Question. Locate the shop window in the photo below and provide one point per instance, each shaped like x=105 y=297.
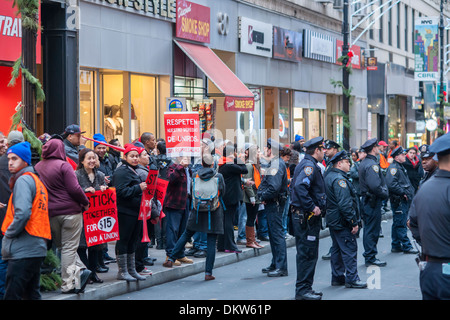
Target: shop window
x=284 y=116
x=314 y=123
x=113 y=113
x=87 y=102
x=143 y=112
x=299 y=124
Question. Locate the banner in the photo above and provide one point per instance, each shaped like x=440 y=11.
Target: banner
x=148 y=194
x=100 y=220
x=182 y=131
x=356 y=50
x=193 y=21
x=426 y=49
x=11 y=33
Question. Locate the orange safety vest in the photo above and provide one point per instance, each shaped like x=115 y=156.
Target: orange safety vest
x=288 y=176
x=39 y=224
x=256 y=176
x=384 y=164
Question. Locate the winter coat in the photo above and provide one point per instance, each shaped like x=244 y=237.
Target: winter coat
x=231 y=172
x=128 y=191
x=250 y=191
x=200 y=222
x=415 y=171
x=65 y=196
x=17 y=242
x=176 y=193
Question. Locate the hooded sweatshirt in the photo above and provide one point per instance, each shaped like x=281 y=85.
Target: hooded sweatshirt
x=65 y=196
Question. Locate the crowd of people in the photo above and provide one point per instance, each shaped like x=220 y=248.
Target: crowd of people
x=265 y=195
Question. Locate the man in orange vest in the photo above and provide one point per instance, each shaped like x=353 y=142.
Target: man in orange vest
x=26 y=227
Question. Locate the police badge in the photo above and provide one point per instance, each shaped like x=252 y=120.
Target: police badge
x=342 y=183
x=375 y=168
x=393 y=171
x=308 y=170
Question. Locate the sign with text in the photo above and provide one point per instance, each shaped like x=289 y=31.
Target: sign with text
x=100 y=220
x=11 y=33
x=255 y=37
x=182 y=131
x=426 y=49
x=161 y=188
x=372 y=63
x=319 y=46
x=193 y=21
x=239 y=104
x=287 y=44
x=148 y=194
x=356 y=50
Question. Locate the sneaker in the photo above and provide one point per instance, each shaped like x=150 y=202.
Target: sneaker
x=185 y=260
x=200 y=254
x=146 y=272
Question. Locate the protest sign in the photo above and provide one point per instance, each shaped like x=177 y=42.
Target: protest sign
x=148 y=194
x=182 y=134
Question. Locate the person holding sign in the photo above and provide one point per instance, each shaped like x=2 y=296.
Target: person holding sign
x=129 y=187
x=90 y=180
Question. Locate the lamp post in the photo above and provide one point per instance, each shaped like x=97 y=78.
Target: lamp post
x=441 y=41
x=345 y=73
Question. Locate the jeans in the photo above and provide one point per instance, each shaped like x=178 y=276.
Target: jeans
x=3 y=270
x=263 y=230
x=176 y=221
x=23 y=279
x=242 y=221
x=276 y=235
x=178 y=250
x=286 y=215
x=399 y=235
x=200 y=241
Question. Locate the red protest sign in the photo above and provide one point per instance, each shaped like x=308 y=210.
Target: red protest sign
x=148 y=194
x=182 y=134
x=161 y=188
x=100 y=220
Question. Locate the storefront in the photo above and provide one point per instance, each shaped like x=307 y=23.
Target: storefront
x=125 y=67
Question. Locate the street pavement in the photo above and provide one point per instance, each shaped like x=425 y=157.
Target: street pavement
x=398 y=281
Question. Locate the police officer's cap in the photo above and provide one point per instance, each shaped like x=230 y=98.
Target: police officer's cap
x=441 y=146
x=397 y=151
x=341 y=155
x=331 y=144
x=369 y=144
x=313 y=143
x=273 y=144
x=425 y=151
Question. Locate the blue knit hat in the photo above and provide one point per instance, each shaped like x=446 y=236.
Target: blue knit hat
x=98 y=137
x=22 y=150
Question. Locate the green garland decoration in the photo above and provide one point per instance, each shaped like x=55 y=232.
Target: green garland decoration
x=28 y=134
x=50 y=279
x=441 y=116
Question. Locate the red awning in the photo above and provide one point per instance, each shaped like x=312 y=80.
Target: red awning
x=237 y=96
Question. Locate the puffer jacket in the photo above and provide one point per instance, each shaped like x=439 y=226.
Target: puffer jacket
x=65 y=196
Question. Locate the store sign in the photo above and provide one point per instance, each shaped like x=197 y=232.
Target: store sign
x=372 y=64
x=101 y=224
x=175 y=104
x=11 y=34
x=182 y=130
x=157 y=8
x=193 y=21
x=287 y=44
x=255 y=37
x=356 y=50
x=426 y=49
x=319 y=46
x=239 y=104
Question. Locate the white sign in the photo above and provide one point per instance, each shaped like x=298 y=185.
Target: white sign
x=255 y=37
x=319 y=46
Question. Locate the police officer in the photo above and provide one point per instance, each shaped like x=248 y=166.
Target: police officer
x=330 y=149
x=401 y=193
x=429 y=163
x=430 y=225
x=343 y=222
x=308 y=200
x=374 y=190
x=273 y=194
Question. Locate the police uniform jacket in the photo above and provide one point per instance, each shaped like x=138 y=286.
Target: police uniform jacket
x=427 y=176
x=274 y=181
x=398 y=182
x=308 y=186
x=371 y=179
x=430 y=216
x=342 y=201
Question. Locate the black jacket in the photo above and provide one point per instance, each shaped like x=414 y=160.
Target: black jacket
x=308 y=186
x=415 y=173
x=129 y=193
x=342 y=201
x=371 y=179
x=398 y=183
x=231 y=173
x=274 y=181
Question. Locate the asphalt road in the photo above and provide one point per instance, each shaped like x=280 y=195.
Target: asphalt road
x=243 y=281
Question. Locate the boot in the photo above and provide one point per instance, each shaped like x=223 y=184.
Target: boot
x=131 y=263
x=122 y=265
x=251 y=240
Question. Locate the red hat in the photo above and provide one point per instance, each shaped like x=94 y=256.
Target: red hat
x=129 y=147
x=382 y=143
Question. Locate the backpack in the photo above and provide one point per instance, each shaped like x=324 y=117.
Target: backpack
x=205 y=195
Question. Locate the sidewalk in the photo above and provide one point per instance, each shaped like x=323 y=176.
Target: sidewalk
x=112 y=287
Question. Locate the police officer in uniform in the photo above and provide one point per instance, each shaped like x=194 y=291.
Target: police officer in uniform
x=330 y=149
x=343 y=221
x=308 y=201
x=374 y=190
x=430 y=225
x=401 y=193
x=273 y=194
x=429 y=163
